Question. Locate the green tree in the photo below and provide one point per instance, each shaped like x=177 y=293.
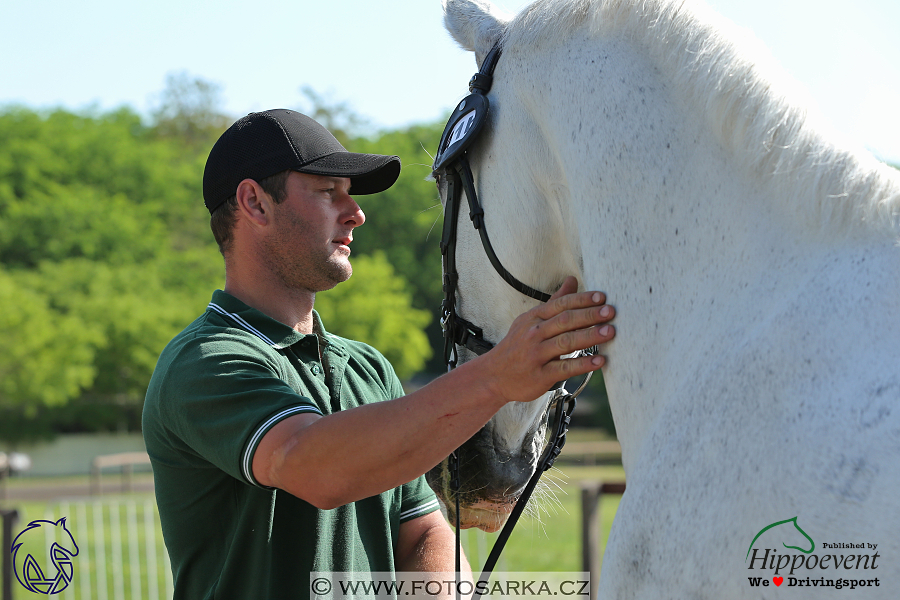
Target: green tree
x=106 y=253
x=133 y=310
x=45 y=357
x=189 y=110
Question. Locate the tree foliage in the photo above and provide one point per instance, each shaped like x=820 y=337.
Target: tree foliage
x=106 y=253
x=97 y=269
x=188 y=110
x=45 y=357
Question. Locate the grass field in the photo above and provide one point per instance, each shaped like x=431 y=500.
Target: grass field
x=547 y=538
x=120 y=550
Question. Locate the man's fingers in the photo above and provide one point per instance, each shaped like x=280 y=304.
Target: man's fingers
x=572 y=341
x=566 y=323
x=575 y=319
x=570 y=285
x=566 y=368
x=556 y=306
x=570 y=301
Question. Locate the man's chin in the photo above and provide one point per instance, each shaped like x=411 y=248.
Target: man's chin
x=338 y=271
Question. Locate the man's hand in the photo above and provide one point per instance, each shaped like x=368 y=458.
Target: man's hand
x=526 y=363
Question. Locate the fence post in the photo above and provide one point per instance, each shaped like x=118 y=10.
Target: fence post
x=127 y=470
x=9 y=521
x=590 y=532
x=5 y=472
x=591 y=492
x=95 y=478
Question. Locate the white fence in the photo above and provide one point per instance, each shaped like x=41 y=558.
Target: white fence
x=121 y=552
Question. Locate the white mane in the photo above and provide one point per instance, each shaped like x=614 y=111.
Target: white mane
x=752 y=105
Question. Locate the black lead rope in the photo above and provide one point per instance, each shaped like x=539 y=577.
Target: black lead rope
x=564 y=408
x=565 y=405
x=453 y=465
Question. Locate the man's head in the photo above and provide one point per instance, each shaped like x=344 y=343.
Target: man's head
x=303 y=242
x=264 y=146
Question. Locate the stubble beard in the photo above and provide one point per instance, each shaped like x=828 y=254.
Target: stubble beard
x=302 y=268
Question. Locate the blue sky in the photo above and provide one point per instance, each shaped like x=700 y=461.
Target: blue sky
x=391 y=60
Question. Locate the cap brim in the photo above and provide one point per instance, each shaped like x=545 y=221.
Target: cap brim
x=368 y=173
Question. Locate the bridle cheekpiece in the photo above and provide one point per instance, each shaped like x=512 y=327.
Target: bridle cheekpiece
x=452 y=162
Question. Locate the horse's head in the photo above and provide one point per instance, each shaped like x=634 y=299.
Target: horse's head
x=788 y=531
x=529 y=230
x=64 y=537
x=51 y=530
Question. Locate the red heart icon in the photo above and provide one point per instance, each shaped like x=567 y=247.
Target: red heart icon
x=778 y=580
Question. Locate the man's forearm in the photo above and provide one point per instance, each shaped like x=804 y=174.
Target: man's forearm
x=354 y=454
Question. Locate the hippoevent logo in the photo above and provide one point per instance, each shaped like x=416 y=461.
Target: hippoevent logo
x=854 y=566
x=59 y=547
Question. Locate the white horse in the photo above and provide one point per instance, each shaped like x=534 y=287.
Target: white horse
x=647 y=148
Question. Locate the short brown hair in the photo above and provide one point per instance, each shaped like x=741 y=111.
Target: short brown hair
x=224 y=217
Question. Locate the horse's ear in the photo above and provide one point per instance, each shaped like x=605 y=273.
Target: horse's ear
x=476 y=25
x=61 y=522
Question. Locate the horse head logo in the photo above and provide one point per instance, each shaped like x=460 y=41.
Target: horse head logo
x=60 y=546
x=812 y=544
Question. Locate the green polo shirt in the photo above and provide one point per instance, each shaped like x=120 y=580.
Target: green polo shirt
x=218 y=387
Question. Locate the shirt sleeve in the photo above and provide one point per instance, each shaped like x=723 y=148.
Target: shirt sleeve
x=220 y=397
x=416 y=500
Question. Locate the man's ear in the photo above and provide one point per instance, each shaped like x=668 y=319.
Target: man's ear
x=253 y=202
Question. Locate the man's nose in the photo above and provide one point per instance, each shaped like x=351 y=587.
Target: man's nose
x=356 y=216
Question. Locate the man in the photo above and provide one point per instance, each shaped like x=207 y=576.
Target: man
x=279 y=449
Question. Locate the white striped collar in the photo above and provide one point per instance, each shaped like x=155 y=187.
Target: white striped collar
x=242 y=323
x=273 y=333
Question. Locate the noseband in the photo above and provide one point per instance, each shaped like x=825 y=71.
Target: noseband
x=452 y=164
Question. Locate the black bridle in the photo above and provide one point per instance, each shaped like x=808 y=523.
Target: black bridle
x=452 y=165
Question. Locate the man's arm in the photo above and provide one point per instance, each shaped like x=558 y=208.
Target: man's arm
x=349 y=455
x=427 y=545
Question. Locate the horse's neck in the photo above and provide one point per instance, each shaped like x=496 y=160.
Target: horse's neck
x=686 y=242
x=680 y=266
x=696 y=267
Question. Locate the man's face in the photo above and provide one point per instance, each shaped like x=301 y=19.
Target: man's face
x=312 y=231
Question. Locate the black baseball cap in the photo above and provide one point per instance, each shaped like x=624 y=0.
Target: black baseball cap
x=265 y=143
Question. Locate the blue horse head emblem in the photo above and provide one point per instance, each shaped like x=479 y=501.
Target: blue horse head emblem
x=61 y=547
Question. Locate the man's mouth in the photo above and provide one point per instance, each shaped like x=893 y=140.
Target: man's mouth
x=343 y=242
